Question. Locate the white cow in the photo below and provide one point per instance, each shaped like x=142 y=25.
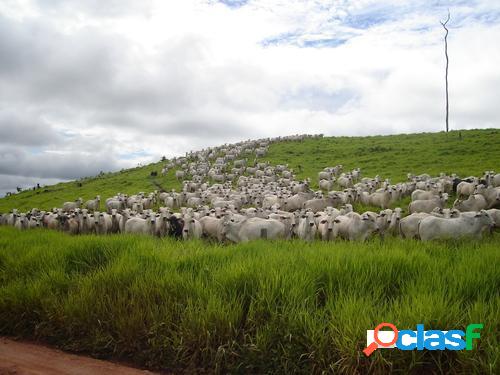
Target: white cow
x=408 y=226
x=475 y=202
x=427 y=205
x=326 y=184
x=192 y=228
x=495 y=215
x=306 y=229
x=93 y=204
x=325 y=228
x=463 y=226
x=253 y=228
x=423 y=195
x=464 y=188
x=22 y=222
x=354 y=226
x=71 y=206
x=114 y=204
x=491 y=194
x=213 y=227
x=139 y=225
x=381 y=199
x=102 y=222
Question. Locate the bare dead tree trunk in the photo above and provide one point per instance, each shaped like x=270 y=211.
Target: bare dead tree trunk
x=447 y=63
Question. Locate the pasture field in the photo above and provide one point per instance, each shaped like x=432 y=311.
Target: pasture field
x=264 y=306
x=259 y=307
x=390 y=156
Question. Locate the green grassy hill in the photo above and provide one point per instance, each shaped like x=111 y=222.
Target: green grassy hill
x=388 y=156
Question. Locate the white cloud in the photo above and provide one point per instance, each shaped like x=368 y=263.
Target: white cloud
x=141 y=79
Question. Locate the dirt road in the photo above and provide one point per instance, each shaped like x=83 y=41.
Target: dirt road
x=18 y=358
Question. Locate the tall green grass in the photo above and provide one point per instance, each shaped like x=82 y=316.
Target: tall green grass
x=260 y=307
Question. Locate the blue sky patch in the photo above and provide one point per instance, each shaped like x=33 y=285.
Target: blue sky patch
x=366 y=20
x=298 y=40
x=233 y=3
x=134 y=155
x=318 y=43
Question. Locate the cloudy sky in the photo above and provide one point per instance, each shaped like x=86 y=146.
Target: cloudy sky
x=90 y=85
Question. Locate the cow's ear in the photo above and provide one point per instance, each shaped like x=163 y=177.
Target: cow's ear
x=336 y=221
x=323 y=221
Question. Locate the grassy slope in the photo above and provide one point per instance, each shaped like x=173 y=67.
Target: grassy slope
x=389 y=156
x=394 y=156
x=130 y=181
x=261 y=307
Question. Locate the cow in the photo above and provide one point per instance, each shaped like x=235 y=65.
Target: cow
x=475 y=202
x=179 y=175
x=432 y=227
x=296 y=201
x=162 y=225
x=326 y=184
x=72 y=206
x=423 y=195
x=34 y=222
x=115 y=221
x=496 y=180
x=345 y=181
x=93 y=204
x=428 y=205
x=103 y=222
x=212 y=227
x=316 y=205
x=85 y=221
x=381 y=199
x=325 y=175
x=253 y=229
x=491 y=194
x=495 y=215
x=464 y=189
x=72 y=225
x=325 y=228
x=306 y=229
x=141 y=226
x=354 y=226
x=21 y=222
x=192 y=229
x=176 y=224
x=114 y=204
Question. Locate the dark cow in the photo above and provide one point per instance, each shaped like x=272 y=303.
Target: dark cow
x=176 y=225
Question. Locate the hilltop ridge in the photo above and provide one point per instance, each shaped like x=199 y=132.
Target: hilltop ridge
x=465 y=152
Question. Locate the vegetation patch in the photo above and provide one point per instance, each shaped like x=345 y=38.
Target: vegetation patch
x=260 y=307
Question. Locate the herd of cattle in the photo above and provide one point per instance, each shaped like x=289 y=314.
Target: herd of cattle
x=226 y=197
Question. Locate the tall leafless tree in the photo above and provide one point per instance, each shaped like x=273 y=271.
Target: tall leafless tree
x=447 y=63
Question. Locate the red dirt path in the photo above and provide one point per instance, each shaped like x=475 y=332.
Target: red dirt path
x=20 y=358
